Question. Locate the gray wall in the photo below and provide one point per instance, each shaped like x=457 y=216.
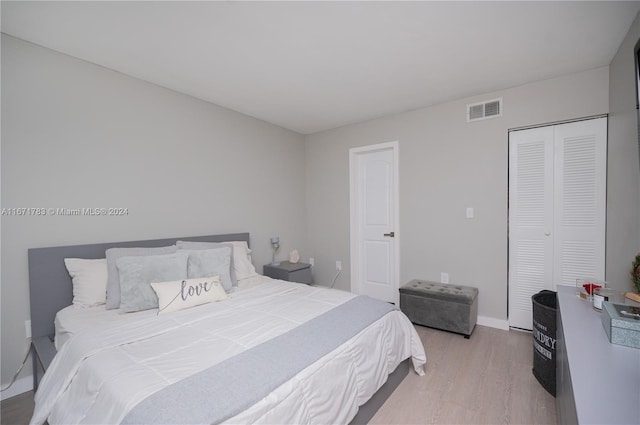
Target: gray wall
x=77 y=135
x=446 y=165
x=623 y=188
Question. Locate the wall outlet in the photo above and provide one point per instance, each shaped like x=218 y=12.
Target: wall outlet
x=444 y=277
x=338 y=265
x=470 y=212
x=312 y=261
x=27 y=328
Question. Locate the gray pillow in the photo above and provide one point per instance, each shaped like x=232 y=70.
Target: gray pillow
x=211 y=262
x=137 y=273
x=113 y=279
x=210 y=245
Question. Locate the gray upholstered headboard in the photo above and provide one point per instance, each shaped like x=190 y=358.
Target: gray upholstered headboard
x=50 y=285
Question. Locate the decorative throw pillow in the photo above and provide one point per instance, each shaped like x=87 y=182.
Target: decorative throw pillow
x=242 y=264
x=89 y=279
x=186 y=293
x=189 y=245
x=113 y=279
x=136 y=273
x=211 y=262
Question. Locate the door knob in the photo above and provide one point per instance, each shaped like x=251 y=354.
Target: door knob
x=547 y=233
x=390 y=234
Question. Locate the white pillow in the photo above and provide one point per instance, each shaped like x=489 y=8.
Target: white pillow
x=89 y=279
x=242 y=260
x=180 y=294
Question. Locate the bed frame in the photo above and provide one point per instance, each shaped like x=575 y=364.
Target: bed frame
x=51 y=290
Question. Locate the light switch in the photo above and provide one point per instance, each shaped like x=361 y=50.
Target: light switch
x=469 y=212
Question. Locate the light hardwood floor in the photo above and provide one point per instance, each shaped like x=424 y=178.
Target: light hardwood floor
x=483 y=380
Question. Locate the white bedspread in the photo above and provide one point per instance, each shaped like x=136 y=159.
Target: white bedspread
x=74 y=319
x=103 y=372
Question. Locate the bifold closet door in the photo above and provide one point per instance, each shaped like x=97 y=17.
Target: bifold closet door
x=580 y=203
x=557 y=207
x=530 y=220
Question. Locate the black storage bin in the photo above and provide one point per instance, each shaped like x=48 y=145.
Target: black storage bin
x=544 y=339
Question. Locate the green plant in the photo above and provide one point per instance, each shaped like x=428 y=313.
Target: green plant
x=635 y=272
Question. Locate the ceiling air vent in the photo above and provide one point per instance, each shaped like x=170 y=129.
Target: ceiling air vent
x=484 y=110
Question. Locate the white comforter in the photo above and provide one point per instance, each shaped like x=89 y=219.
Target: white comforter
x=102 y=373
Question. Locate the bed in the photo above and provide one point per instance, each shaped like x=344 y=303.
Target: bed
x=269 y=352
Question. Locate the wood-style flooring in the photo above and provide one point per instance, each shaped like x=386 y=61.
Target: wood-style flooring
x=17 y=410
x=483 y=380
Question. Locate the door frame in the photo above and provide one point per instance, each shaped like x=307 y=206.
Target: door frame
x=355 y=236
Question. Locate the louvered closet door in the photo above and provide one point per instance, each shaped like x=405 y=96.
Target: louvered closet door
x=580 y=201
x=530 y=220
x=557 y=206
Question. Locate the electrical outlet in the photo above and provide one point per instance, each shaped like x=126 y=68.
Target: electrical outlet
x=312 y=261
x=444 y=277
x=470 y=213
x=27 y=328
x=338 y=265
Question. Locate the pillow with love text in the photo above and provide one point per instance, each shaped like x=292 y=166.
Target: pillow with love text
x=180 y=294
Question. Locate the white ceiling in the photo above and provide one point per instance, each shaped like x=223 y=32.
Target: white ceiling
x=312 y=66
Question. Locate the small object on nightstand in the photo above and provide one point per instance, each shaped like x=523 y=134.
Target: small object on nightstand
x=275 y=244
x=292 y=272
x=294 y=257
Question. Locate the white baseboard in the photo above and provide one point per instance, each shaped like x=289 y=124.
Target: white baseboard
x=493 y=322
x=22 y=385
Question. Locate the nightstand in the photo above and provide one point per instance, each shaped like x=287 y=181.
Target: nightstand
x=43 y=351
x=298 y=272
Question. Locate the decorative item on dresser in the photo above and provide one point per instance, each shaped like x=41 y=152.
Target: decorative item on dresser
x=635 y=278
x=635 y=272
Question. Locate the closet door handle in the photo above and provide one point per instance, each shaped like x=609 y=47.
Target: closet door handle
x=390 y=234
x=547 y=233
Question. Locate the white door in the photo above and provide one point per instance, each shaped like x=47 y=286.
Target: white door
x=530 y=220
x=580 y=203
x=557 y=206
x=374 y=221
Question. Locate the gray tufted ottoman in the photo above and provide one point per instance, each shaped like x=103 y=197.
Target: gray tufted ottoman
x=449 y=307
